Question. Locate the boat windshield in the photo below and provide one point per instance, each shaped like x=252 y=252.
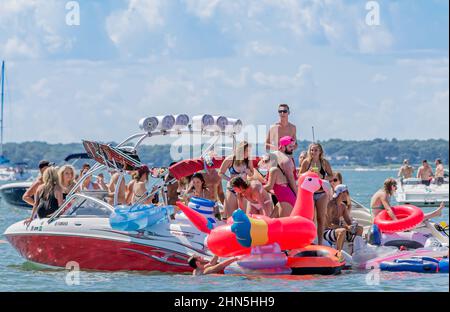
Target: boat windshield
x=80 y=206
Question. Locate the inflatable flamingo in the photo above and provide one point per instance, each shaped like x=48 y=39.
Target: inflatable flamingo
x=244 y=232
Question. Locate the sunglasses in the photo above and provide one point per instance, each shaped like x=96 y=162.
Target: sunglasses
x=285 y=111
x=335 y=180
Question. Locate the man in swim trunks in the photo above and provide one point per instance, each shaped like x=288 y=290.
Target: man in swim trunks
x=204 y=267
x=281 y=129
x=28 y=196
x=439 y=174
x=425 y=173
x=339 y=225
x=259 y=200
x=286 y=162
x=406 y=171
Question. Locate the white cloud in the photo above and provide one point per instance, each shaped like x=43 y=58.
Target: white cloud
x=139 y=17
x=379 y=78
x=17 y=47
x=262 y=49
x=202 y=8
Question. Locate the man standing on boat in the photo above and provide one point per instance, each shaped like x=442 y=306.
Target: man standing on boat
x=425 y=173
x=281 y=129
x=439 y=174
x=406 y=171
x=28 y=197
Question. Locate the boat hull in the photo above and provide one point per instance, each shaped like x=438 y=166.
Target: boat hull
x=12 y=194
x=95 y=247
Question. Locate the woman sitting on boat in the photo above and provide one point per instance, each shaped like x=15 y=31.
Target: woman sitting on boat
x=49 y=196
x=66 y=176
x=236 y=165
x=87 y=184
x=277 y=183
x=198 y=188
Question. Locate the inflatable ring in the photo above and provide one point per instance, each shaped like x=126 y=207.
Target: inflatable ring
x=408 y=218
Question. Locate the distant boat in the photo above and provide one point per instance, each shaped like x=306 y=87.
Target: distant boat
x=9 y=172
x=412 y=191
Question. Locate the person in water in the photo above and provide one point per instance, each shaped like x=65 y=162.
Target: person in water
x=258 y=200
x=277 y=183
x=49 y=196
x=66 y=176
x=439 y=173
x=315 y=161
x=425 y=173
x=405 y=171
x=339 y=225
x=237 y=165
x=29 y=195
x=281 y=129
x=204 y=267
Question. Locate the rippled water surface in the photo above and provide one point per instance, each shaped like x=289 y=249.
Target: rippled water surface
x=18 y=275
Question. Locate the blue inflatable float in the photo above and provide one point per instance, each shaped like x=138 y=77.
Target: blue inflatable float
x=418 y=265
x=138 y=218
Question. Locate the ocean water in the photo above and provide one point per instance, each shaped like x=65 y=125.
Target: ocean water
x=19 y=275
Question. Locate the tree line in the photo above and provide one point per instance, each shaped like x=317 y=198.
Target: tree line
x=377 y=152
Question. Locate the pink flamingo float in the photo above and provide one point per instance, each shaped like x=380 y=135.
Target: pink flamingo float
x=242 y=232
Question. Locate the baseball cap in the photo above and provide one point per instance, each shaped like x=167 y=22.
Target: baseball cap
x=285 y=141
x=45 y=163
x=341 y=188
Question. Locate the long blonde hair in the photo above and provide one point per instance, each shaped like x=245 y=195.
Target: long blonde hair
x=321 y=155
x=51 y=181
x=239 y=159
x=61 y=175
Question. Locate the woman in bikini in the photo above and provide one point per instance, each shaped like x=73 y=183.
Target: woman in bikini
x=315 y=161
x=66 y=176
x=198 y=188
x=236 y=165
x=139 y=190
x=259 y=201
x=277 y=183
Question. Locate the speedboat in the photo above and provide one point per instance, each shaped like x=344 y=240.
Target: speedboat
x=81 y=232
x=412 y=191
x=12 y=193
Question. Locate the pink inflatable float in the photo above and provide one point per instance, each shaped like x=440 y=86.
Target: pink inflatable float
x=243 y=232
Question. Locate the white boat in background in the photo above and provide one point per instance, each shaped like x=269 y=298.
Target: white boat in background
x=412 y=191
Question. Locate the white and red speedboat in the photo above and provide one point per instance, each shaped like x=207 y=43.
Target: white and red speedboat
x=80 y=230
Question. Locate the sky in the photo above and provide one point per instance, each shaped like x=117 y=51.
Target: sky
x=348 y=75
